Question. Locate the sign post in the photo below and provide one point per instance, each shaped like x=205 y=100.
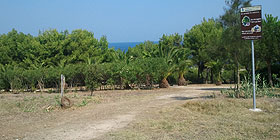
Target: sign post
x=254 y=79
x=251 y=29
x=62 y=84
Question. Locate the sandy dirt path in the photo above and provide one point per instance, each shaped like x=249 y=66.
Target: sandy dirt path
x=93 y=121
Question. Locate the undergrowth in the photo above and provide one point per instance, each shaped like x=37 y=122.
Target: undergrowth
x=246 y=89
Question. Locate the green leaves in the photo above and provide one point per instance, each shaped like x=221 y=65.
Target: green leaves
x=93 y=77
x=206 y=49
x=203 y=42
x=268 y=48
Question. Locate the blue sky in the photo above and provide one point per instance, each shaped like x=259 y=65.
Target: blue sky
x=119 y=20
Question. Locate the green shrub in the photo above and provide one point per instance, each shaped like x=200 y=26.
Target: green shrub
x=228 y=76
x=52 y=77
x=93 y=77
x=276 y=80
x=14 y=76
x=74 y=74
x=191 y=75
x=246 y=89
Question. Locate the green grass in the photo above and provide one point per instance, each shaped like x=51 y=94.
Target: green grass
x=246 y=89
x=83 y=103
x=219 y=118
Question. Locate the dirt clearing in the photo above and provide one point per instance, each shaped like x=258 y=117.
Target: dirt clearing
x=104 y=116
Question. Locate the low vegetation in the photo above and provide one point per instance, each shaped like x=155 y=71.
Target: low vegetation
x=246 y=89
x=33 y=103
x=40 y=103
x=218 y=118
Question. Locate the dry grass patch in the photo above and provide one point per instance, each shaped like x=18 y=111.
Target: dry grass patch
x=12 y=104
x=219 y=118
x=38 y=103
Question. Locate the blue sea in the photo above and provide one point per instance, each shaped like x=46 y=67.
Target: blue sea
x=124 y=45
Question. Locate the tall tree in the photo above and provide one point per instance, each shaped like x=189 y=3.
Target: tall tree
x=52 y=47
x=79 y=46
x=204 y=42
x=167 y=50
x=232 y=31
x=268 y=49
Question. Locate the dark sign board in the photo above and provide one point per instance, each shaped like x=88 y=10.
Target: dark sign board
x=251 y=23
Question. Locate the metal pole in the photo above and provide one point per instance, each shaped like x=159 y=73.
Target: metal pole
x=62 y=85
x=254 y=81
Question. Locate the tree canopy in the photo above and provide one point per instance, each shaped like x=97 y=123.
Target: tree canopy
x=210 y=52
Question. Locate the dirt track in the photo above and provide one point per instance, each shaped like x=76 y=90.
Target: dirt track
x=95 y=120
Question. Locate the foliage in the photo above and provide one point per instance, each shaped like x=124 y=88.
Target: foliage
x=237 y=49
x=246 y=89
x=267 y=49
x=83 y=103
x=209 y=51
x=204 y=43
x=93 y=77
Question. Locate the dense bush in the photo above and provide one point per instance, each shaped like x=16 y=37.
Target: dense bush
x=93 y=77
x=207 y=52
x=74 y=74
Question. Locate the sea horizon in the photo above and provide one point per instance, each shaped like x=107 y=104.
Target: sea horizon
x=124 y=45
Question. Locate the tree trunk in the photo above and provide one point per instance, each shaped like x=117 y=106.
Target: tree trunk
x=219 y=82
x=41 y=85
x=238 y=76
x=181 y=80
x=127 y=86
x=237 y=70
x=148 y=81
x=234 y=77
x=138 y=81
x=164 y=83
x=212 y=77
x=120 y=82
x=207 y=75
x=198 y=73
x=200 y=70
x=269 y=73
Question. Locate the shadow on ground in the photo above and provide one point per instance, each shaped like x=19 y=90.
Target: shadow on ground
x=212 y=89
x=190 y=98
